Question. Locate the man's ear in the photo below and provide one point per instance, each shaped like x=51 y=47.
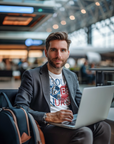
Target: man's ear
x=45 y=52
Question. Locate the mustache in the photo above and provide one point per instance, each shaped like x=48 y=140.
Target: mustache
x=57 y=58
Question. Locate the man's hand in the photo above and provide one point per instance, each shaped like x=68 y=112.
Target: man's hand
x=59 y=116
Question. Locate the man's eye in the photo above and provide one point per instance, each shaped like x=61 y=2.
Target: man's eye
x=52 y=49
x=63 y=50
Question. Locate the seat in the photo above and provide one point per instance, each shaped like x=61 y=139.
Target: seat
x=11 y=93
x=83 y=80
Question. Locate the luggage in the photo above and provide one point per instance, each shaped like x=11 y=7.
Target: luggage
x=16 y=125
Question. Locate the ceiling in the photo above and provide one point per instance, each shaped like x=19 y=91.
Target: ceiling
x=23 y=16
x=18 y=22
x=45 y=16
x=55 y=15
x=73 y=15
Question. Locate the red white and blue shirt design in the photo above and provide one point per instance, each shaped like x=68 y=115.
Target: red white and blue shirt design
x=59 y=95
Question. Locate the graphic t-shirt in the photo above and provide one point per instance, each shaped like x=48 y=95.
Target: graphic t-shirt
x=59 y=95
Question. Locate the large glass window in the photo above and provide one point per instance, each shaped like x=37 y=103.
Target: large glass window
x=79 y=37
x=103 y=33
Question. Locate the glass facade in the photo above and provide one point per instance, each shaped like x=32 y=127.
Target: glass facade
x=102 y=34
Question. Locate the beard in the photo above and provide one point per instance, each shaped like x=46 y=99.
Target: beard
x=51 y=62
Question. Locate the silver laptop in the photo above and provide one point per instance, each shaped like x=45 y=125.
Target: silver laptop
x=94 y=107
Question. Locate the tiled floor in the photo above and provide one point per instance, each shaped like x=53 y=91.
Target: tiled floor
x=9 y=84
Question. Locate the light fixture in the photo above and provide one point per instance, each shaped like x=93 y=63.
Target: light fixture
x=30 y=42
x=20 y=53
x=40 y=10
x=63 y=22
x=97 y=4
x=67 y=65
x=35 y=53
x=55 y=26
x=71 y=2
x=72 y=17
x=16 y=9
x=13 y=53
x=83 y=11
x=10 y=20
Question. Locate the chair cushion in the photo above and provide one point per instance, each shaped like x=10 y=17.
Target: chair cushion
x=11 y=93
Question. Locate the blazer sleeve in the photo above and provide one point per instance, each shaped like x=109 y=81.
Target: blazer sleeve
x=78 y=93
x=25 y=96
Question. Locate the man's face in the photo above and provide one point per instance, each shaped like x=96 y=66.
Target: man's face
x=57 y=53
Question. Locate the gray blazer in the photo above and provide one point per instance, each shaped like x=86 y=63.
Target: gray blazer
x=34 y=91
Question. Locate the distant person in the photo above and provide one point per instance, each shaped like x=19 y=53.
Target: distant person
x=8 y=65
x=36 y=61
x=25 y=64
x=2 y=64
x=86 y=74
x=92 y=65
x=20 y=64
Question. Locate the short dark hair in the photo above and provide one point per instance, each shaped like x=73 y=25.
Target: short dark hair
x=57 y=36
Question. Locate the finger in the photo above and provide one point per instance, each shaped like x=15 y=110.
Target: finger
x=66 y=116
x=67 y=119
x=63 y=115
x=66 y=111
x=69 y=114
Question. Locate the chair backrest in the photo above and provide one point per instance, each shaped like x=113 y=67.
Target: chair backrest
x=6 y=73
x=11 y=93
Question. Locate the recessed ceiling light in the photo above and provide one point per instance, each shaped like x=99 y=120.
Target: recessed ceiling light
x=97 y=4
x=55 y=26
x=83 y=11
x=63 y=22
x=72 y=17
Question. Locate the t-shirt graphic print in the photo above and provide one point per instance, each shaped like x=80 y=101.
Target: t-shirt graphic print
x=59 y=95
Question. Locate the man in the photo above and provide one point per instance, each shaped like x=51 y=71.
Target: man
x=86 y=74
x=53 y=95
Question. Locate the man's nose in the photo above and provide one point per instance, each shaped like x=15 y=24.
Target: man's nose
x=59 y=53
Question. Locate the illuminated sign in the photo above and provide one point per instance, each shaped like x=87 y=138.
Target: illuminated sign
x=40 y=10
x=16 y=9
x=30 y=42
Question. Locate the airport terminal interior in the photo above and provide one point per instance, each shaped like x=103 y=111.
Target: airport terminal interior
x=25 y=25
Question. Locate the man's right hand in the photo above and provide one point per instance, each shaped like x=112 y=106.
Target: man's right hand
x=59 y=116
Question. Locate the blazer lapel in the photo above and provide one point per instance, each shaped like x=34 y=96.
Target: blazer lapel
x=69 y=82
x=45 y=83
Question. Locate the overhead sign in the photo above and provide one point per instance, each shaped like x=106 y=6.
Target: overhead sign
x=26 y=9
x=30 y=42
x=16 y=9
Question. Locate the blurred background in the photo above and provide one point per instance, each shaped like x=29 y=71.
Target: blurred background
x=25 y=24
